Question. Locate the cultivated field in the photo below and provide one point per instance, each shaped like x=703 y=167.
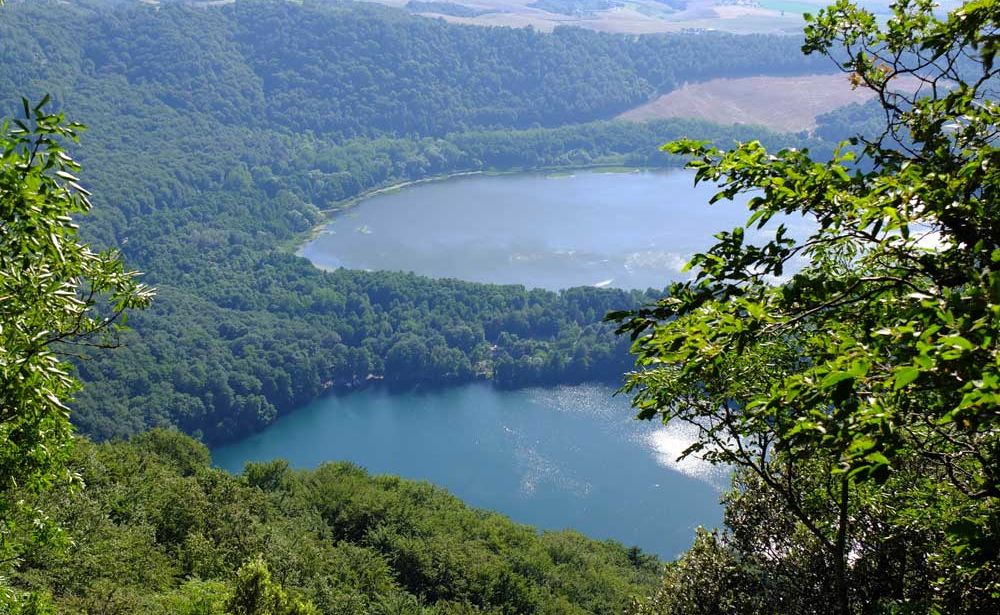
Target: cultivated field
x=781 y=103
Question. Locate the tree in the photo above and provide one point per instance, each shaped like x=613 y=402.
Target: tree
x=56 y=295
x=854 y=370
x=255 y=593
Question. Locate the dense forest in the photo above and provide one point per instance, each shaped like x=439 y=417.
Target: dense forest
x=184 y=537
x=216 y=138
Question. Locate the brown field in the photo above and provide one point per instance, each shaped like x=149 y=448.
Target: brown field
x=782 y=103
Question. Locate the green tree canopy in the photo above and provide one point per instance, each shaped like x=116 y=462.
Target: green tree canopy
x=256 y=594
x=854 y=372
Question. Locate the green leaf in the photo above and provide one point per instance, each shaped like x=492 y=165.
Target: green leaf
x=905 y=375
x=957 y=341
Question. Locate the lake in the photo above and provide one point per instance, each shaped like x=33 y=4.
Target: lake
x=565 y=457
x=562 y=457
x=627 y=230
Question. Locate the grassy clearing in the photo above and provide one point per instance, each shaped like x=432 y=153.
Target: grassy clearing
x=786 y=104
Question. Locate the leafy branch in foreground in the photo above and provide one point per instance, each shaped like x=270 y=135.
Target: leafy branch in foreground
x=55 y=292
x=854 y=373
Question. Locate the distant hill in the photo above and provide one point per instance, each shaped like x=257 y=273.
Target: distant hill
x=344 y=69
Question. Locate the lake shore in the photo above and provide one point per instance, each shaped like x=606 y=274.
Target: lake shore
x=619 y=227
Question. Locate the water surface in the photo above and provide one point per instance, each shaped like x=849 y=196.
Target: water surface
x=627 y=230
x=562 y=457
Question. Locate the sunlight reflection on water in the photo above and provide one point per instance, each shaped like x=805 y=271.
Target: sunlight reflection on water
x=664 y=443
x=668 y=443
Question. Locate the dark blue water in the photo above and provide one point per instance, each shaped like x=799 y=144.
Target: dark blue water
x=565 y=457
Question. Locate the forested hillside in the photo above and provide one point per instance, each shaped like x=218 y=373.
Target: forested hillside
x=217 y=134
x=182 y=537
x=346 y=69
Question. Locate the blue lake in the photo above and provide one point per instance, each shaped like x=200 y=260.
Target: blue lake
x=562 y=457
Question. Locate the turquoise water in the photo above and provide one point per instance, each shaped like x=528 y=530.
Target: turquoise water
x=626 y=230
x=563 y=457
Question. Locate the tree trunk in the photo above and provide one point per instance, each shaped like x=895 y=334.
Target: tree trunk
x=843 y=598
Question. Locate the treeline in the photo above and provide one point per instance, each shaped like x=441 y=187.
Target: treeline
x=855 y=119
x=575 y=7
x=446 y=8
x=158 y=530
x=325 y=174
